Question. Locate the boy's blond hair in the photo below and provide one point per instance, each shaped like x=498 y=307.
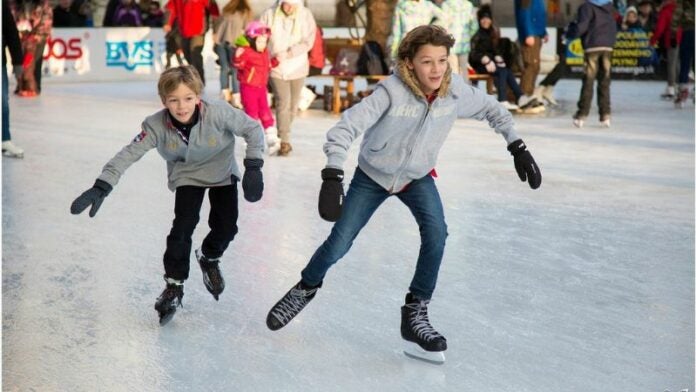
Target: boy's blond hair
x=173 y=77
x=424 y=35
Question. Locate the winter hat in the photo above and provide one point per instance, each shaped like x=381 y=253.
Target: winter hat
x=484 y=12
x=256 y=28
x=631 y=9
x=292 y=2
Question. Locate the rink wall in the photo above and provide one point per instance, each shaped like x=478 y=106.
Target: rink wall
x=139 y=53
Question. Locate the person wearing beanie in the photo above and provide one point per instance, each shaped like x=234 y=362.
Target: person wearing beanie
x=486 y=57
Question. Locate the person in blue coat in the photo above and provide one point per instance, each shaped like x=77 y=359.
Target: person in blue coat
x=530 y=17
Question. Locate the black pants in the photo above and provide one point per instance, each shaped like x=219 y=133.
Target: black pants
x=222 y=222
x=193 y=52
x=597 y=67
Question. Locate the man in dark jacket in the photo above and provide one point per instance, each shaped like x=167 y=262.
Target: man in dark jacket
x=10 y=40
x=596 y=28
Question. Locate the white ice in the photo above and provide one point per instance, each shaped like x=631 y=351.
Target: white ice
x=586 y=284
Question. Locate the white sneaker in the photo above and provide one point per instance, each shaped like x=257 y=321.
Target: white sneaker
x=510 y=106
x=272 y=140
x=578 y=122
x=12 y=151
x=226 y=94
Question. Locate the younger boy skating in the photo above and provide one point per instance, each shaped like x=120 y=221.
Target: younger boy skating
x=197 y=139
x=405 y=122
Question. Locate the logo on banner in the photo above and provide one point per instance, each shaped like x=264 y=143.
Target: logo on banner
x=129 y=54
x=63 y=49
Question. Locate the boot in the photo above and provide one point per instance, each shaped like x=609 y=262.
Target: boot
x=12 y=151
x=237 y=100
x=212 y=278
x=285 y=149
x=415 y=328
x=226 y=94
x=169 y=300
x=290 y=305
x=272 y=140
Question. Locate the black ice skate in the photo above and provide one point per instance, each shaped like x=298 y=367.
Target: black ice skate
x=424 y=342
x=212 y=278
x=169 y=300
x=290 y=305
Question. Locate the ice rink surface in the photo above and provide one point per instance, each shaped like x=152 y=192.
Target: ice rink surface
x=586 y=284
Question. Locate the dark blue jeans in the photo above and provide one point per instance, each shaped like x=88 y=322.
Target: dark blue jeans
x=686 y=55
x=363 y=198
x=5 y=105
x=503 y=79
x=228 y=73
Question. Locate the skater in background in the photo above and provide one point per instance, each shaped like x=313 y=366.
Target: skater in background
x=294 y=32
x=530 y=18
x=236 y=14
x=412 y=110
x=486 y=57
x=191 y=18
x=683 y=18
x=197 y=139
x=668 y=41
x=34 y=22
x=11 y=44
x=595 y=26
x=174 y=47
x=253 y=64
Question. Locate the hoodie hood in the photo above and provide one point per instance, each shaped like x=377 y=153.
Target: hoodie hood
x=409 y=78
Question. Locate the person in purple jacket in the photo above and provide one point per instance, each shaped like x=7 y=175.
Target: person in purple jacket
x=197 y=139
x=404 y=123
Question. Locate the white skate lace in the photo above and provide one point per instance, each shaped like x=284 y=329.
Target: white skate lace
x=420 y=323
x=292 y=304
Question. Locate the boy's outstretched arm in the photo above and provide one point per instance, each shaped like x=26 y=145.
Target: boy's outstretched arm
x=244 y=126
x=113 y=170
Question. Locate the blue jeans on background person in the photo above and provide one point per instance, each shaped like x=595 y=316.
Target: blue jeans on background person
x=503 y=79
x=5 y=105
x=686 y=55
x=227 y=70
x=363 y=198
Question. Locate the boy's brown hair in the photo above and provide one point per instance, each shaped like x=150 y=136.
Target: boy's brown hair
x=173 y=77
x=424 y=35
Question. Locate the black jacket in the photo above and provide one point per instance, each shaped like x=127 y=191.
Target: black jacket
x=10 y=37
x=482 y=45
x=594 y=25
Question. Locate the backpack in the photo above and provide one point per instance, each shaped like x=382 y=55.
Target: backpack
x=345 y=63
x=371 y=60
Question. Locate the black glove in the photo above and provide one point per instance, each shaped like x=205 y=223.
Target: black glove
x=93 y=196
x=331 y=194
x=252 y=182
x=526 y=168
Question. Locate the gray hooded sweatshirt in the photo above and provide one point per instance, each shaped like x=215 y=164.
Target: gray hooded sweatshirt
x=208 y=158
x=403 y=134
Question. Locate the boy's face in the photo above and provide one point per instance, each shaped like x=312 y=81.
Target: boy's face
x=429 y=65
x=181 y=103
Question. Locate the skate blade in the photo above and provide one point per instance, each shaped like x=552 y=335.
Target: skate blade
x=166 y=317
x=414 y=351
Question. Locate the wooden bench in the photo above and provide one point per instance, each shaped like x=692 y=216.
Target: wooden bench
x=345 y=84
x=488 y=78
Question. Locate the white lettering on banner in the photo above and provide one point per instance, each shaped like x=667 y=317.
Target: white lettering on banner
x=404 y=110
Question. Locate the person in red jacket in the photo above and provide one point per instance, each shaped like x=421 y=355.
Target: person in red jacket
x=253 y=64
x=668 y=40
x=190 y=16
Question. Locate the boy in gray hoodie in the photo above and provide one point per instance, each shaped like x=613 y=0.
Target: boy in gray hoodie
x=405 y=122
x=197 y=140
